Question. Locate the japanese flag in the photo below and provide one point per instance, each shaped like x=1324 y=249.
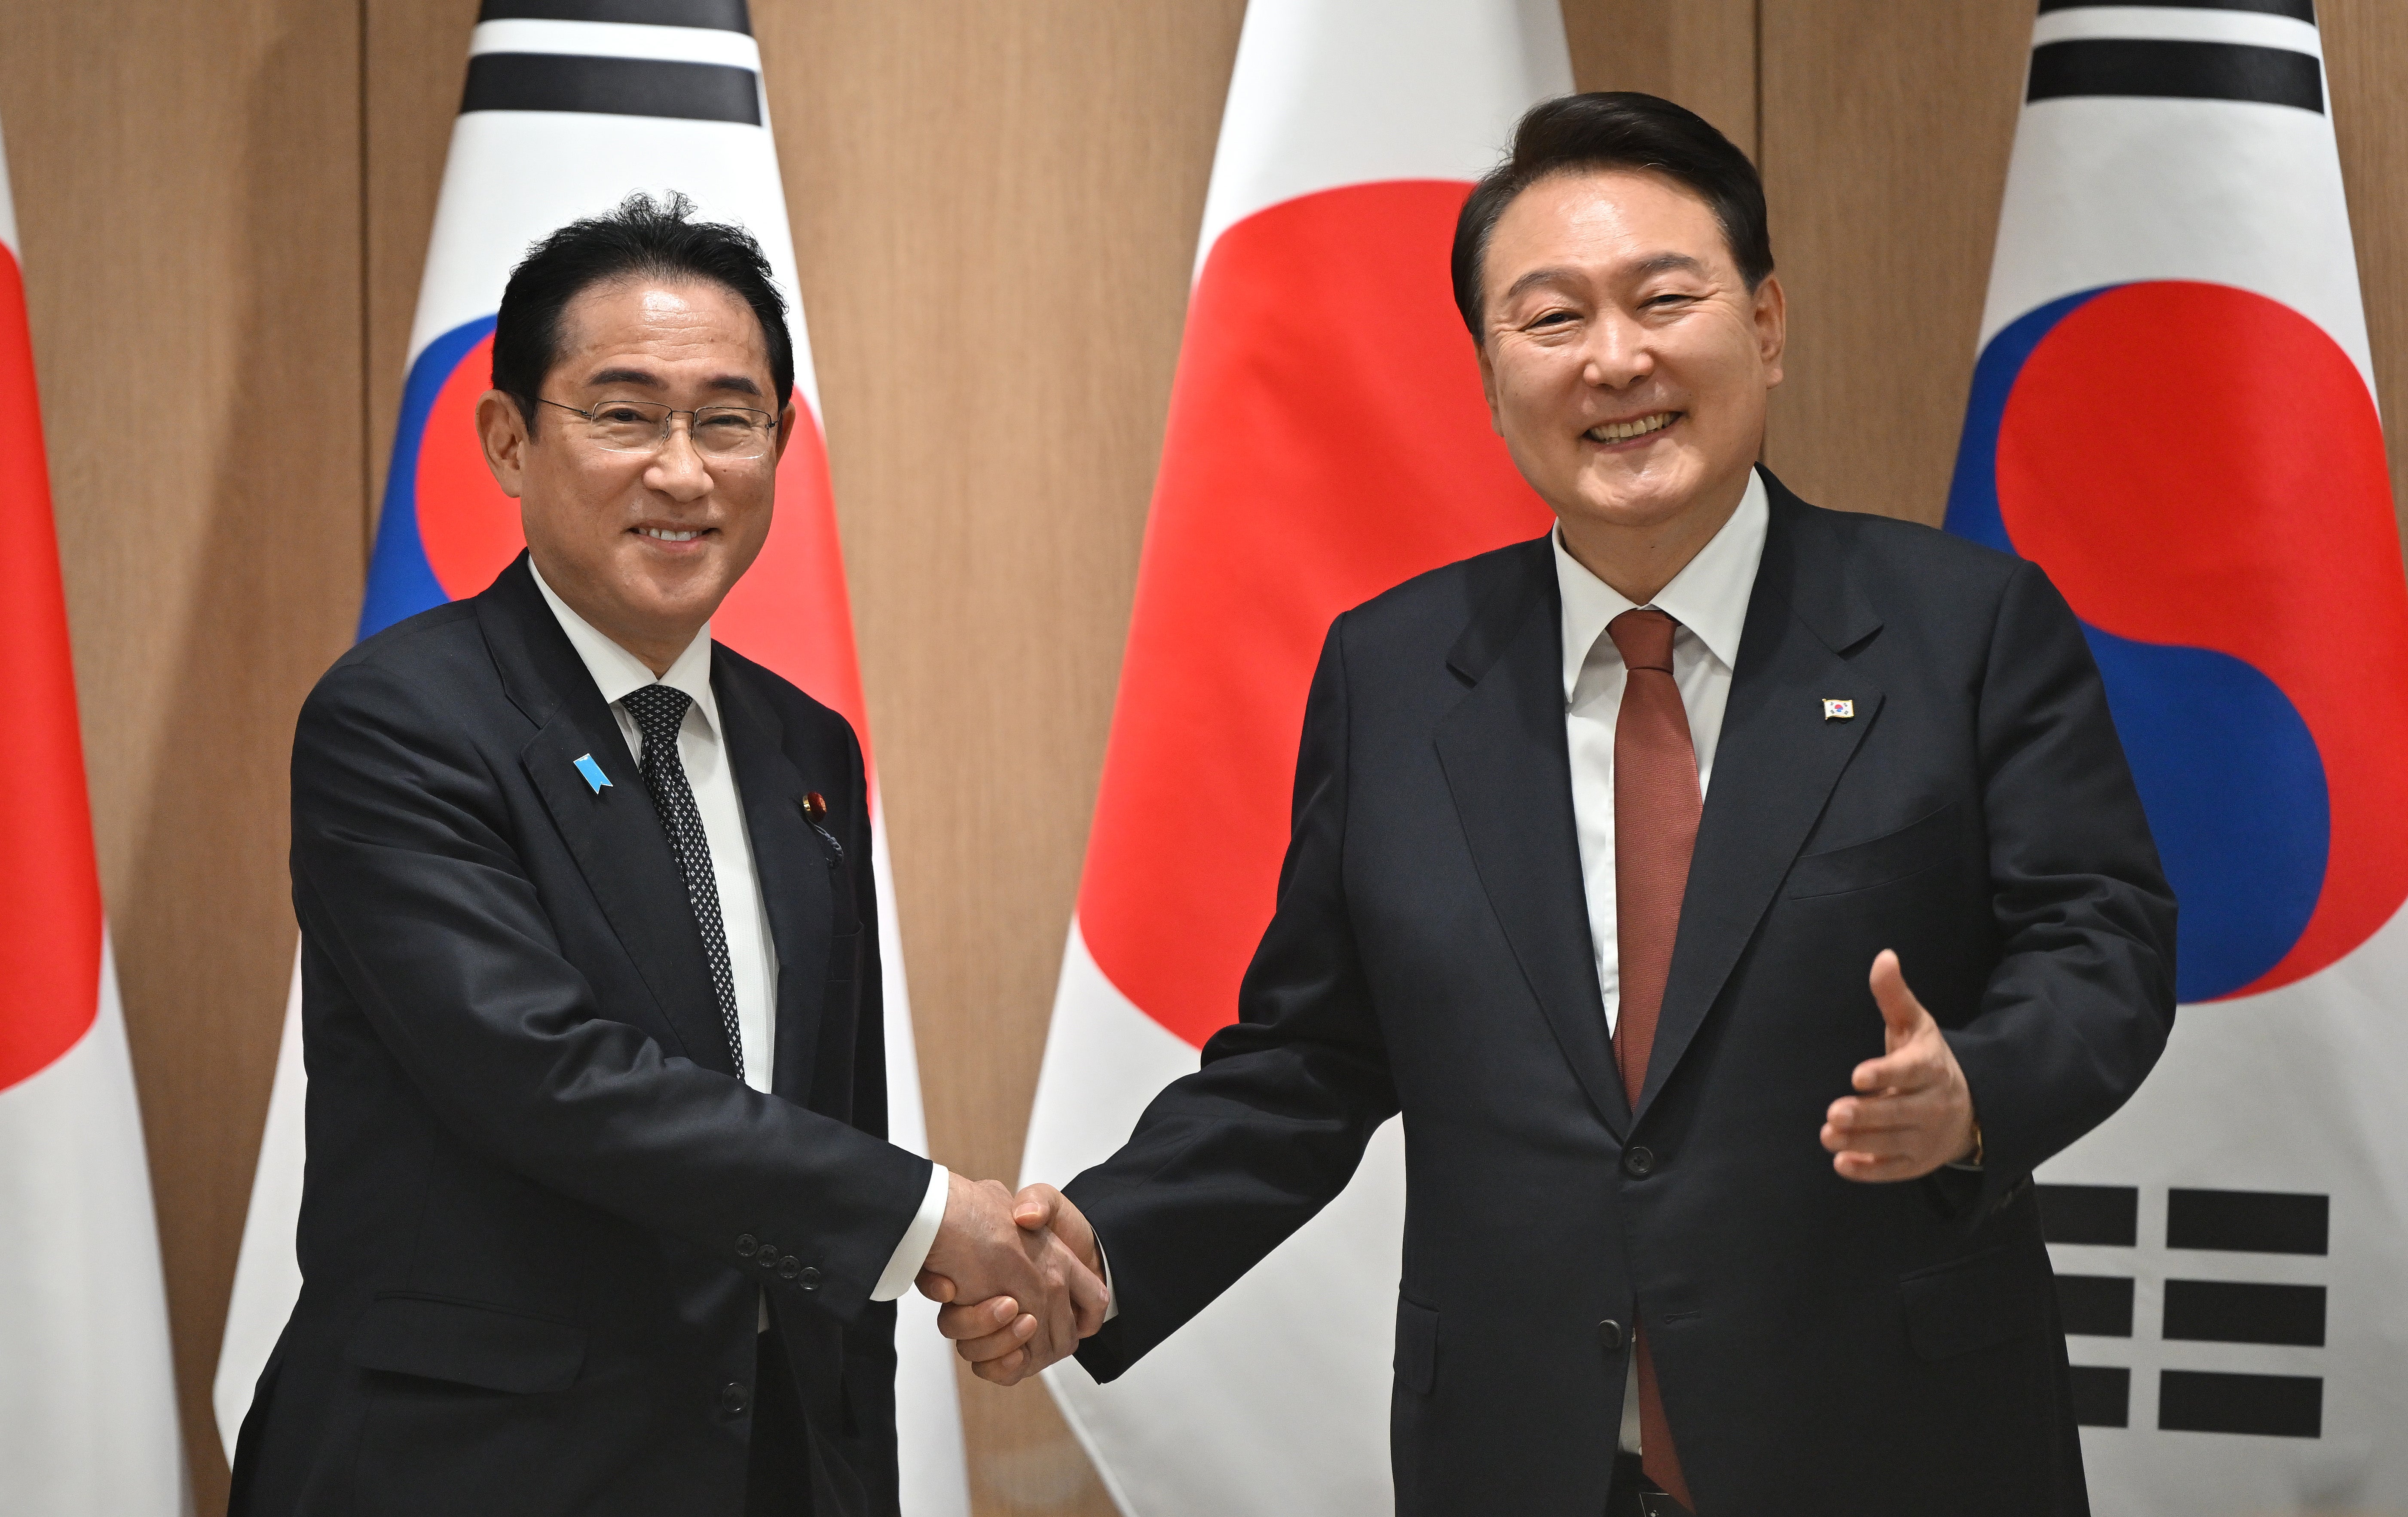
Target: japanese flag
x=87 y=1380
x=1326 y=440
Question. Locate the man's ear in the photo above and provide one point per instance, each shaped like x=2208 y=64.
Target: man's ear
x=504 y=432
x=785 y=430
x=1772 y=312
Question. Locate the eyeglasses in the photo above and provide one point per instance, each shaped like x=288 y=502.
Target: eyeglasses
x=726 y=434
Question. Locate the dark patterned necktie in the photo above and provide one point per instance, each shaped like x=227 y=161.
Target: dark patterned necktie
x=1655 y=810
x=659 y=711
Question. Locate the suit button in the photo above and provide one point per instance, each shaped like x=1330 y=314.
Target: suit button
x=1608 y=1336
x=1639 y=1163
x=814 y=804
x=732 y=1399
x=808 y=1279
x=789 y=1267
x=746 y=1246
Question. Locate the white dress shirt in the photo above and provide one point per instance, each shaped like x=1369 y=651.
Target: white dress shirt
x=752 y=953
x=1708 y=598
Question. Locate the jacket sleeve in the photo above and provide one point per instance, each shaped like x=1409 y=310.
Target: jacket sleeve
x=2083 y=998
x=1226 y=1163
x=405 y=876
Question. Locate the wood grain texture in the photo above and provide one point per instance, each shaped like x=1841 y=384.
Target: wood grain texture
x=995 y=211
x=187 y=186
x=1701 y=53
x=1886 y=132
x=2366 y=46
x=417 y=59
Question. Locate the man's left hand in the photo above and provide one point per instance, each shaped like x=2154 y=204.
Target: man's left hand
x=1913 y=1111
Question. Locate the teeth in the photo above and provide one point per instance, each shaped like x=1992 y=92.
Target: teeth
x=1625 y=431
x=666 y=536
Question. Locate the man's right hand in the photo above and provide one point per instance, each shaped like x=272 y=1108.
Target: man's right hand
x=1029 y=1296
x=1002 y=1343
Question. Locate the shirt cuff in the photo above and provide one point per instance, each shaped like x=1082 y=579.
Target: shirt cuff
x=1112 y=1298
x=903 y=1267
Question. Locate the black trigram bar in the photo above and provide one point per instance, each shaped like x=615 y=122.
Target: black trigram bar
x=718 y=15
x=612 y=86
x=2247 y=1221
x=2103 y=1397
x=2176 y=70
x=2108 y=1214
x=2096 y=1306
x=2304 y=10
x=2232 y=1311
x=2270 y=1406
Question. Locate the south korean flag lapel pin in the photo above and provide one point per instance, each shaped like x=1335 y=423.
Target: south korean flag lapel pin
x=1838 y=711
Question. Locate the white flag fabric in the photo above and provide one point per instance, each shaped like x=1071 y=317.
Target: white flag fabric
x=563 y=118
x=2173 y=413
x=87 y=1376
x=1326 y=440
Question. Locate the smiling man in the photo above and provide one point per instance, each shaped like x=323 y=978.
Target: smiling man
x=599 y=1216
x=1737 y=899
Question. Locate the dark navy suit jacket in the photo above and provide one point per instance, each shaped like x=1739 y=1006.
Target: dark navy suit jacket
x=540 y=1210
x=1824 y=1347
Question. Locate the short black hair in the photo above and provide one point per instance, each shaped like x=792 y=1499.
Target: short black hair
x=641 y=238
x=1615 y=129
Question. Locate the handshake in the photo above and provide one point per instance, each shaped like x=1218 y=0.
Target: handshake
x=1021 y=1277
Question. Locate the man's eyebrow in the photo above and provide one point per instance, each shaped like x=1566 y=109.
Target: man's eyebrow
x=1662 y=263
x=1670 y=263
x=741 y=383
x=1535 y=277
x=626 y=376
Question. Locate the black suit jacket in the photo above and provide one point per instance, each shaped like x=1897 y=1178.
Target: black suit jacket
x=1823 y=1346
x=539 y=1208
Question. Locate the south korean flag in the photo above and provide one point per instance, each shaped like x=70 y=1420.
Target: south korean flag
x=2173 y=413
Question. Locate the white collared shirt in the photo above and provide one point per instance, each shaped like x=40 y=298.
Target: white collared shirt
x=1708 y=598
x=752 y=953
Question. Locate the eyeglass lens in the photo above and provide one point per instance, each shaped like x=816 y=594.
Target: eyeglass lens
x=642 y=425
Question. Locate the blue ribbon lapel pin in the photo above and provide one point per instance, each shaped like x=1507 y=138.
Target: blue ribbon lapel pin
x=592 y=772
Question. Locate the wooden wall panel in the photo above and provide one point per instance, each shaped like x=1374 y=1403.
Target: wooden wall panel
x=995 y=209
x=1698 y=52
x=2366 y=45
x=416 y=60
x=187 y=186
x=1886 y=133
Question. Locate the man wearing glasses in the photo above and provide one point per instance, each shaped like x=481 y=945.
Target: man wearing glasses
x=599 y=1216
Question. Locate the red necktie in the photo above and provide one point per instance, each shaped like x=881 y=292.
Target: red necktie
x=1655 y=807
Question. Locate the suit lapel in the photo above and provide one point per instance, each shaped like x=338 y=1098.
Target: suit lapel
x=1775 y=762
x=1509 y=770
x=613 y=833
x=793 y=866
